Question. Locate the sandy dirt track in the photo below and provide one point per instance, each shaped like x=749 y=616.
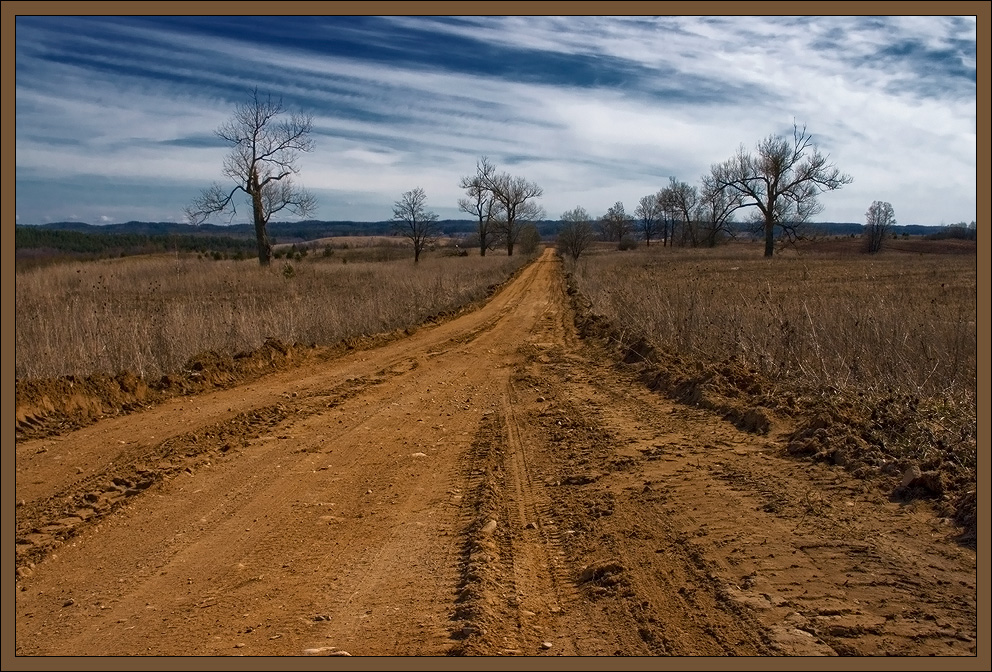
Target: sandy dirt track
x=494 y=485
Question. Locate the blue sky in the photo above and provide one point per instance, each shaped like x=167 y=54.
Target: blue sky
x=115 y=114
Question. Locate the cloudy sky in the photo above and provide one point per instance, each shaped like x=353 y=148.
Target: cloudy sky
x=115 y=115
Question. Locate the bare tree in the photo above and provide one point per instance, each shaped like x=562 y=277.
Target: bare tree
x=262 y=163
x=669 y=215
x=782 y=180
x=715 y=211
x=616 y=225
x=515 y=196
x=481 y=202
x=679 y=201
x=575 y=234
x=412 y=219
x=879 y=221
x=648 y=214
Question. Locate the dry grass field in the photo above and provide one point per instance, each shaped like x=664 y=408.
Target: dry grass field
x=819 y=321
x=149 y=315
x=878 y=352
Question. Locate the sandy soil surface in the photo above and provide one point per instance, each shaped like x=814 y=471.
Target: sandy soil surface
x=493 y=485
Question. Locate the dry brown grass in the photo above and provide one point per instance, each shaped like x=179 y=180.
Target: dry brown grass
x=903 y=323
x=149 y=315
x=876 y=357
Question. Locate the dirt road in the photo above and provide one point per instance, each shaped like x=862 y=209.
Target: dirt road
x=493 y=485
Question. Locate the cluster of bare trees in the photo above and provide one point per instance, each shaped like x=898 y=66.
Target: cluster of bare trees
x=616 y=225
x=578 y=229
x=505 y=206
x=780 y=182
x=266 y=147
x=682 y=214
x=576 y=232
x=678 y=214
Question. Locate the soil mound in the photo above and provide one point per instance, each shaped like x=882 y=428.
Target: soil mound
x=45 y=407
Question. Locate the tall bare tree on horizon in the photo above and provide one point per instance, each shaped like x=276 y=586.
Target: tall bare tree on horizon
x=515 y=197
x=576 y=233
x=412 y=219
x=879 y=221
x=616 y=224
x=262 y=164
x=649 y=214
x=716 y=210
x=782 y=180
x=679 y=201
x=482 y=203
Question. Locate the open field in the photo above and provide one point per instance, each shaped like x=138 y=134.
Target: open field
x=885 y=347
x=149 y=315
x=584 y=465
x=814 y=324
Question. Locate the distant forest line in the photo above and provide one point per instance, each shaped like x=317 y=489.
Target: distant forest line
x=79 y=239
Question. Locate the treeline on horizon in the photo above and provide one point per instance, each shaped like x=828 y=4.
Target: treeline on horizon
x=82 y=240
x=283 y=232
x=34 y=242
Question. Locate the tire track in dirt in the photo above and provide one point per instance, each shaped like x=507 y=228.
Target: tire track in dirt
x=514 y=597
x=540 y=584
x=803 y=556
x=348 y=372
x=240 y=538
x=45 y=523
x=42 y=524
x=642 y=584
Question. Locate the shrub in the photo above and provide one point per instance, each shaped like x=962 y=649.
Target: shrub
x=627 y=243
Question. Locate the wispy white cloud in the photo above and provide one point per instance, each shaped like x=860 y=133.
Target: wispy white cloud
x=595 y=109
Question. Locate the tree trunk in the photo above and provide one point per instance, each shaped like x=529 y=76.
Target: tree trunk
x=264 y=246
x=261 y=236
x=769 y=236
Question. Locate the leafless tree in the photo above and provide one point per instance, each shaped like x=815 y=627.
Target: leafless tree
x=879 y=221
x=715 y=211
x=482 y=203
x=263 y=160
x=669 y=215
x=782 y=180
x=649 y=215
x=575 y=234
x=679 y=201
x=616 y=225
x=412 y=219
x=515 y=196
